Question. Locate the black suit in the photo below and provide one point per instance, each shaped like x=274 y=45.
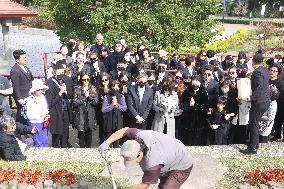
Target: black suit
x=260 y=100
x=136 y=108
x=21 y=83
x=212 y=89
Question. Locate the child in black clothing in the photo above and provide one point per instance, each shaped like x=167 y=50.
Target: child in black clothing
x=219 y=123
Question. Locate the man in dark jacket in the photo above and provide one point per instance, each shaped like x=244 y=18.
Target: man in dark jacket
x=260 y=101
x=9 y=146
x=139 y=102
x=21 y=78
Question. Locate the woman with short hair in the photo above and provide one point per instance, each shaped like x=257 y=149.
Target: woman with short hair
x=36 y=111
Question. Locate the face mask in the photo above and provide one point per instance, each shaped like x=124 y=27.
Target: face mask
x=186 y=83
x=177 y=80
x=93 y=59
x=127 y=58
x=120 y=68
x=71 y=44
x=150 y=82
x=124 y=82
x=141 y=84
x=195 y=87
x=175 y=60
x=216 y=68
x=225 y=90
x=59 y=77
x=161 y=69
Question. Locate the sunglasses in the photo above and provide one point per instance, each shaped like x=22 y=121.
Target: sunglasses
x=85 y=79
x=177 y=77
x=207 y=74
x=104 y=80
x=275 y=71
x=232 y=72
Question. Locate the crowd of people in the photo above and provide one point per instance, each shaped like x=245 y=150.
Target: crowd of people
x=195 y=99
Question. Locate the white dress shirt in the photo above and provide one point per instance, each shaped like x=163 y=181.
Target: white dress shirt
x=141 y=92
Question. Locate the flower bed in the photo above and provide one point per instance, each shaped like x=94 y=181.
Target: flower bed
x=37 y=177
x=260 y=176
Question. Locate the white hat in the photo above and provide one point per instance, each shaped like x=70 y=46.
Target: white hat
x=37 y=84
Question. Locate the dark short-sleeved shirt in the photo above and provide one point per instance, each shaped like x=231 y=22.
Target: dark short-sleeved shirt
x=164 y=154
x=4 y=84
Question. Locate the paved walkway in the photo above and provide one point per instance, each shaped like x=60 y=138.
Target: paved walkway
x=34 y=41
x=231 y=29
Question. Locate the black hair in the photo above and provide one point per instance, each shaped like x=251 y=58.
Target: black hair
x=82 y=73
x=242 y=55
x=270 y=61
x=63 y=46
x=222 y=100
x=257 y=58
x=188 y=60
x=274 y=65
x=210 y=53
x=146 y=49
x=18 y=53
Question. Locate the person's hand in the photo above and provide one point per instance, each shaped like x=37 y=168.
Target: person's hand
x=139 y=120
x=103 y=147
x=87 y=93
x=34 y=130
x=114 y=100
x=192 y=102
x=209 y=112
x=227 y=116
x=46 y=115
x=62 y=89
x=214 y=126
x=21 y=101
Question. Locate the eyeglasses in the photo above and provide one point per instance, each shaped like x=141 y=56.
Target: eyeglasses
x=85 y=80
x=275 y=71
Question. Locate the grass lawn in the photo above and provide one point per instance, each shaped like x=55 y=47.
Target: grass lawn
x=237 y=167
x=86 y=171
x=252 y=43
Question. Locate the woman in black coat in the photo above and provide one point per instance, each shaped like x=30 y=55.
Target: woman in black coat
x=84 y=107
x=194 y=103
x=58 y=96
x=113 y=107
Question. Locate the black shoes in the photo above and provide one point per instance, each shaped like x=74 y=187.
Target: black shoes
x=249 y=151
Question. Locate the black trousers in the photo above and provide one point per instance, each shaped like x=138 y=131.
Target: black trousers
x=278 y=121
x=62 y=140
x=85 y=138
x=238 y=134
x=255 y=114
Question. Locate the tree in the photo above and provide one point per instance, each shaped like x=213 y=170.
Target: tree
x=158 y=23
